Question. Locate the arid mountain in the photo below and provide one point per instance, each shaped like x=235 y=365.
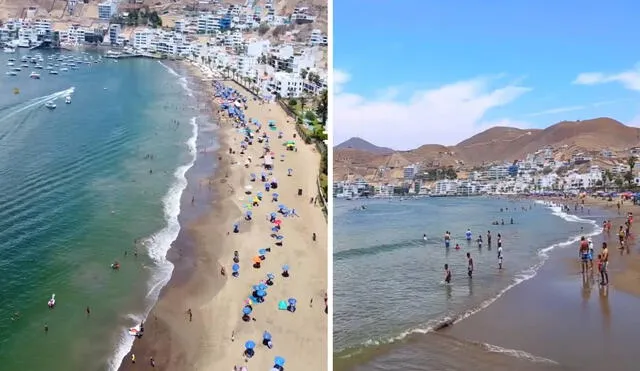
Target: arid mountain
x=493 y=145
x=363 y=145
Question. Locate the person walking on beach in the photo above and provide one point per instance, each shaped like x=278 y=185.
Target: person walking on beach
x=469 y=265
x=604 y=272
x=190 y=313
x=621 y=237
x=447 y=274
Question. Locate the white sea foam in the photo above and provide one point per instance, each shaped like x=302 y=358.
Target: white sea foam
x=523 y=276
x=35 y=102
x=159 y=244
x=521 y=354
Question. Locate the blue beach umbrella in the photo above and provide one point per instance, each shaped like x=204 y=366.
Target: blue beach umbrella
x=255 y=288
x=249 y=214
x=250 y=344
x=235 y=267
x=247 y=310
x=292 y=302
x=262 y=286
x=279 y=361
x=280 y=237
x=271 y=276
x=262 y=252
x=266 y=335
x=273 y=215
x=261 y=293
x=285 y=267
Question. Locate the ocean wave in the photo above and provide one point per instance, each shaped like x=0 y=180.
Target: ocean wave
x=527 y=274
x=377 y=249
x=516 y=353
x=159 y=244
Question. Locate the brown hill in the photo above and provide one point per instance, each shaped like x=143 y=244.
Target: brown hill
x=499 y=144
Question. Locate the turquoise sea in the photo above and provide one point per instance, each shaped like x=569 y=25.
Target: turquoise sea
x=81 y=185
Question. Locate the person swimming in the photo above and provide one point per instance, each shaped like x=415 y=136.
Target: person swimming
x=457 y=247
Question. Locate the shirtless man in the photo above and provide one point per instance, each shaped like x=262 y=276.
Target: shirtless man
x=604 y=271
x=584 y=254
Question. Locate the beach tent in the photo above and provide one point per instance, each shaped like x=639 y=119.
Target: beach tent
x=279 y=361
x=282 y=305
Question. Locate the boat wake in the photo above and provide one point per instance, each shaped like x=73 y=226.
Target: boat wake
x=527 y=274
x=158 y=245
x=33 y=103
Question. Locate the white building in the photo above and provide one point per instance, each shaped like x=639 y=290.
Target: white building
x=208 y=24
x=317 y=38
x=114 y=33
x=410 y=172
x=107 y=9
x=286 y=85
x=446 y=187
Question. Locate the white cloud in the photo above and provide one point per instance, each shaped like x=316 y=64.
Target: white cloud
x=629 y=79
x=556 y=110
x=444 y=115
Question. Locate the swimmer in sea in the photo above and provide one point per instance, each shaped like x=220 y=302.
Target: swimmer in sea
x=479 y=241
x=457 y=247
x=469 y=265
x=447 y=274
x=424 y=237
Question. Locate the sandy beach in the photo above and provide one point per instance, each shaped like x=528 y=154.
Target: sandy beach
x=559 y=316
x=214 y=337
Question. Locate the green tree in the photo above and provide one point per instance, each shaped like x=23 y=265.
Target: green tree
x=310 y=116
x=263 y=29
x=618 y=182
x=321 y=108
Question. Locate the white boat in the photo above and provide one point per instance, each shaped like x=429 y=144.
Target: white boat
x=38 y=66
x=52 y=302
x=10 y=64
x=17 y=69
x=64 y=69
x=50 y=105
x=67 y=99
x=8 y=49
x=12 y=73
x=34 y=75
x=53 y=72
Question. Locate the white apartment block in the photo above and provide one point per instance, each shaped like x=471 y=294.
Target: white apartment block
x=287 y=85
x=208 y=24
x=107 y=9
x=317 y=38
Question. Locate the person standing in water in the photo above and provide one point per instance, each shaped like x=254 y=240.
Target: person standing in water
x=424 y=237
x=583 y=252
x=488 y=238
x=468 y=235
x=447 y=274
x=500 y=256
x=447 y=239
x=469 y=265
x=479 y=241
x=604 y=273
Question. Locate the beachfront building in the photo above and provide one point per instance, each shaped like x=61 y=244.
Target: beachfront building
x=114 y=33
x=497 y=172
x=286 y=85
x=107 y=9
x=445 y=187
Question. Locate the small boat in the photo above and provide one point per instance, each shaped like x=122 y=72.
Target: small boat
x=24 y=65
x=50 y=105
x=38 y=66
x=17 y=69
x=8 y=49
x=12 y=73
x=64 y=69
x=52 y=301
x=67 y=99
x=16 y=91
x=34 y=75
x=10 y=64
x=53 y=72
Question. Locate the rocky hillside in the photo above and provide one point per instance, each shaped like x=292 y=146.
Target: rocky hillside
x=495 y=144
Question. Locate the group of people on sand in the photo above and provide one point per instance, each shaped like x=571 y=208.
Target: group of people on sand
x=469 y=239
x=586 y=252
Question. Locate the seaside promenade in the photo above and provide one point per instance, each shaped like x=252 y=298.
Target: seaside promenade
x=198 y=322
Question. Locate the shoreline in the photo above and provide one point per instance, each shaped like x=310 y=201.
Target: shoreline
x=170 y=338
x=353 y=358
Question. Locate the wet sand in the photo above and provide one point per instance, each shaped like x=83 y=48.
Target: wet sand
x=559 y=316
x=205 y=245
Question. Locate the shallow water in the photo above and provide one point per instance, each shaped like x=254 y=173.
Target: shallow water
x=76 y=192
x=388 y=282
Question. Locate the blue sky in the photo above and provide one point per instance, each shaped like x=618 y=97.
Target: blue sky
x=410 y=72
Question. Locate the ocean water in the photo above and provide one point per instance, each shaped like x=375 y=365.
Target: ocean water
x=78 y=189
x=388 y=281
